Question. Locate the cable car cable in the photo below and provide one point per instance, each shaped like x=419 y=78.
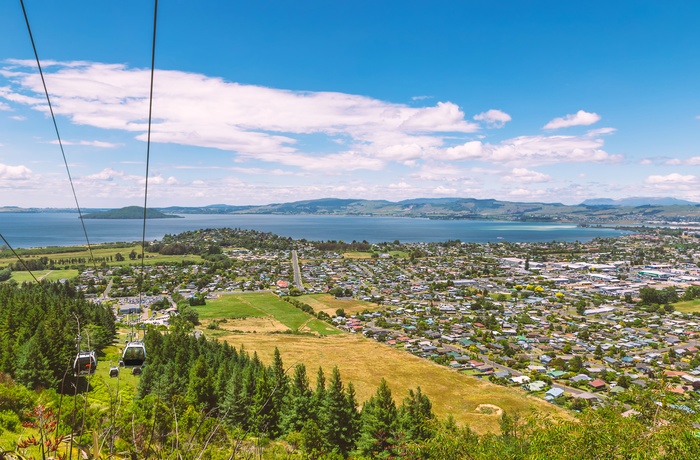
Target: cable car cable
x=58 y=135
x=23 y=263
x=148 y=156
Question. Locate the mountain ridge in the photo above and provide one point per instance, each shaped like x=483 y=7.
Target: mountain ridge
x=599 y=211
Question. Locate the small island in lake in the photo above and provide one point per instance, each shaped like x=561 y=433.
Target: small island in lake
x=130 y=212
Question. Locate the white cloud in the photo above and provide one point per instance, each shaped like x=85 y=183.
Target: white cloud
x=99 y=144
x=252 y=121
x=107 y=174
x=600 y=132
x=673 y=182
x=4 y=106
x=580 y=118
x=18 y=172
x=534 y=150
x=493 y=118
x=441 y=190
x=692 y=161
x=521 y=193
x=18 y=117
x=263 y=172
x=444 y=172
x=472 y=150
x=401 y=186
x=421 y=98
x=646 y=161
x=526 y=175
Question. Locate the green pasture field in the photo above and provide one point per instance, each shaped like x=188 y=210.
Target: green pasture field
x=261 y=305
x=329 y=304
x=365 y=362
x=49 y=275
x=229 y=306
x=689 y=306
x=99 y=253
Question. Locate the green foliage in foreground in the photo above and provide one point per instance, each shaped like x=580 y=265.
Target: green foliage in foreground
x=199 y=398
x=38 y=328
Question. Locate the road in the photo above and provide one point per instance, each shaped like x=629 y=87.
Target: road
x=297 y=272
x=105 y=295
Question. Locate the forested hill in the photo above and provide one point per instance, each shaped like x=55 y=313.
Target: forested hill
x=600 y=211
x=471 y=208
x=38 y=329
x=129 y=212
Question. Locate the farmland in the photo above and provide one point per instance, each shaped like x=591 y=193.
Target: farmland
x=260 y=312
x=365 y=362
x=361 y=361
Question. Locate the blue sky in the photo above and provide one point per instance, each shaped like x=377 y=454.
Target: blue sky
x=261 y=102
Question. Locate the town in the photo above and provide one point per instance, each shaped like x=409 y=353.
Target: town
x=574 y=323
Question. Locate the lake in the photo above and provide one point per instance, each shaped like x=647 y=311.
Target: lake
x=25 y=230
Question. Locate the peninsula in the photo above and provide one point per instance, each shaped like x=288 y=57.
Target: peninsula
x=129 y=212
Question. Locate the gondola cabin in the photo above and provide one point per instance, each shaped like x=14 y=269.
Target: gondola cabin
x=134 y=354
x=85 y=363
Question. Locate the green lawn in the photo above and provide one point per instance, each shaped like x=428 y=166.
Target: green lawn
x=322 y=328
x=100 y=253
x=690 y=306
x=229 y=306
x=49 y=275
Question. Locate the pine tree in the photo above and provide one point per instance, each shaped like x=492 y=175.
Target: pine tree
x=319 y=396
x=280 y=386
x=234 y=404
x=337 y=421
x=33 y=369
x=297 y=407
x=414 y=416
x=200 y=389
x=379 y=424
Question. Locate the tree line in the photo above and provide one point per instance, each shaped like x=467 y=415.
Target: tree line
x=248 y=397
x=38 y=329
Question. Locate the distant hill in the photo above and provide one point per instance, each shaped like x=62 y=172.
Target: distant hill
x=590 y=212
x=601 y=211
x=638 y=201
x=129 y=212
x=209 y=209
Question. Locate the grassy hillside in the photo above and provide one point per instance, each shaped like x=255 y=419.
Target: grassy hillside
x=251 y=319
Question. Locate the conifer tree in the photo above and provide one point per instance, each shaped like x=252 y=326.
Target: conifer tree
x=280 y=386
x=337 y=417
x=200 y=389
x=414 y=416
x=297 y=406
x=379 y=424
x=319 y=396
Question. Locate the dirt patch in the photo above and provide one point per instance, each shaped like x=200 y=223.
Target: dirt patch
x=488 y=409
x=252 y=324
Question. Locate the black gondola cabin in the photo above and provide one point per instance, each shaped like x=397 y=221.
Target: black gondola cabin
x=85 y=363
x=134 y=354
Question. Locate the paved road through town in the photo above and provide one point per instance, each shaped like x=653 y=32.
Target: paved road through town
x=297 y=272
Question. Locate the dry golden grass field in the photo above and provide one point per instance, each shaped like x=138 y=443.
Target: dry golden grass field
x=329 y=304
x=364 y=362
